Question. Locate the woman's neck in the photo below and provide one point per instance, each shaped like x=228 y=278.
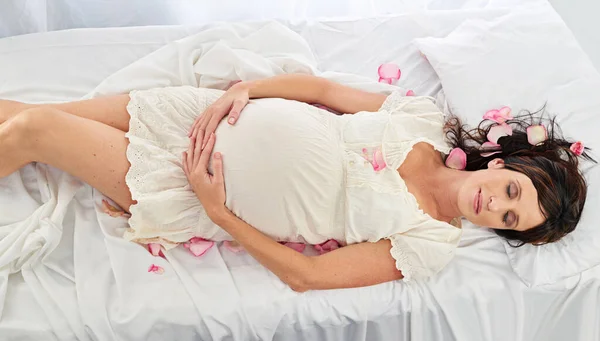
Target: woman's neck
x=444 y=185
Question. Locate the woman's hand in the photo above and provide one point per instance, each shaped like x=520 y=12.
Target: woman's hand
x=209 y=188
x=232 y=102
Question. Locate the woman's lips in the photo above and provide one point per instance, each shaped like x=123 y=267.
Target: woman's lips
x=477 y=202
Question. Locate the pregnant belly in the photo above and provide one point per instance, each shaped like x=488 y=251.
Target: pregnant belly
x=283 y=170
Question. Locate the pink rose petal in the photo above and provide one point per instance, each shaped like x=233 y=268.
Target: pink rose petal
x=233 y=246
x=327 y=246
x=296 y=246
x=389 y=70
x=112 y=210
x=577 y=148
x=505 y=112
x=536 y=134
x=499 y=116
x=388 y=73
x=490 y=145
x=490 y=153
x=378 y=161
x=385 y=80
x=154 y=249
x=199 y=249
x=198 y=246
x=156 y=269
x=197 y=240
x=457 y=159
x=410 y=93
x=498 y=131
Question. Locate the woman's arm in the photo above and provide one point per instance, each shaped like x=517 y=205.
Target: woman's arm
x=303 y=88
x=347 y=267
x=312 y=89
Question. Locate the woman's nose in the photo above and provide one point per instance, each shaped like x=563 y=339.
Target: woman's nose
x=497 y=205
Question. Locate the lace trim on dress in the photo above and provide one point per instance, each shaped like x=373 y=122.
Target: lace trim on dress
x=403 y=260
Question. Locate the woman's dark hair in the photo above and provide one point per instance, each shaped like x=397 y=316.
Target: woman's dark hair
x=551 y=166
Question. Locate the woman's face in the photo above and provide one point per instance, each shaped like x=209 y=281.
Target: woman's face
x=500 y=198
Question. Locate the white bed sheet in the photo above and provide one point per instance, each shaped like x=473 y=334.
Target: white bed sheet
x=476 y=298
x=20 y=17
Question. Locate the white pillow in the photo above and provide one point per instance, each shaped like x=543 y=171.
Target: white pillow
x=523 y=60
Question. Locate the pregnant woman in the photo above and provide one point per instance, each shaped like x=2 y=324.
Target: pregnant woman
x=374 y=179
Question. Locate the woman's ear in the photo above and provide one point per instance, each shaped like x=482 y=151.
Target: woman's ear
x=496 y=163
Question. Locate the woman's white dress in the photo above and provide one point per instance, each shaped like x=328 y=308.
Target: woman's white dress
x=296 y=172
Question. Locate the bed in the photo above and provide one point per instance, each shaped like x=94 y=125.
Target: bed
x=94 y=286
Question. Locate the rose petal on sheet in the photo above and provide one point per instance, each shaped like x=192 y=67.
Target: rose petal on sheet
x=385 y=80
x=154 y=249
x=156 y=269
x=112 y=210
x=233 y=246
x=577 y=148
x=457 y=159
x=536 y=134
x=327 y=246
x=410 y=93
x=498 y=131
x=389 y=71
x=296 y=246
x=199 y=246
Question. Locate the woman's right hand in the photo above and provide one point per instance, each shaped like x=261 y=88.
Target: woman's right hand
x=230 y=104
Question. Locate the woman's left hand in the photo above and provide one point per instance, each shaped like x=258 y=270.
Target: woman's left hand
x=209 y=188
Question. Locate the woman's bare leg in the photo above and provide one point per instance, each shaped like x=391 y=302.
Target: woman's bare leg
x=92 y=151
x=110 y=110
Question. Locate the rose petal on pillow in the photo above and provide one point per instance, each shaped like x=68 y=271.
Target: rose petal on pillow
x=378 y=161
x=457 y=159
x=389 y=71
x=505 y=112
x=296 y=246
x=498 y=131
x=233 y=246
x=577 y=148
x=156 y=269
x=410 y=93
x=154 y=249
x=200 y=247
x=536 y=134
x=499 y=116
x=112 y=210
x=490 y=145
x=490 y=115
x=489 y=154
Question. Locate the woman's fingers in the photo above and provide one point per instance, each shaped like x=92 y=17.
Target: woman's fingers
x=190 y=154
x=218 y=168
x=184 y=163
x=211 y=126
x=201 y=124
x=235 y=111
x=197 y=152
x=207 y=150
